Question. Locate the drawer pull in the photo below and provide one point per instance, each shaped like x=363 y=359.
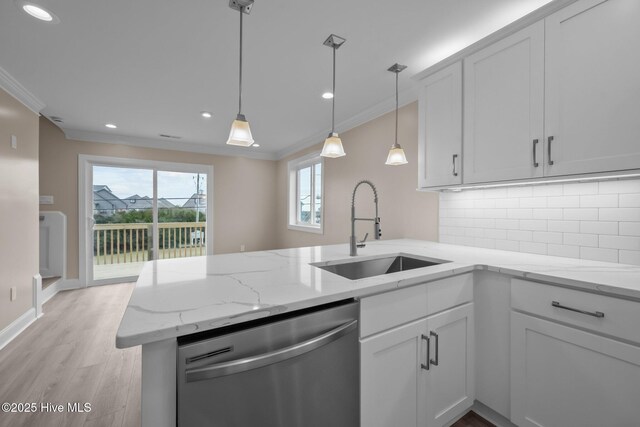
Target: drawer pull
x=598 y=314
x=422 y=365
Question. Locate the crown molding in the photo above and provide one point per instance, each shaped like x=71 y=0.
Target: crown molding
x=406 y=97
x=496 y=36
x=19 y=92
x=109 y=138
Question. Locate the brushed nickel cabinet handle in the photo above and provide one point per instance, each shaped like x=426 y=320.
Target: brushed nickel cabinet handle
x=434 y=362
x=422 y=365
x=535 y=154
x=455 y=173
x=598 y=314
x=549 y=141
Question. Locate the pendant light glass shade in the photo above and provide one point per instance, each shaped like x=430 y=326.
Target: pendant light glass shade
x=332 y=147
x=396 y=155
x=240 y=132
x=333 y=144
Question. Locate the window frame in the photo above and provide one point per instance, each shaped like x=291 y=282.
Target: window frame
x=293 y=167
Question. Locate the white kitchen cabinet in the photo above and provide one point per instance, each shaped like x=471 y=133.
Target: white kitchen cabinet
x=449 y=383
x=419 y=374
x=564 y=376
x=592 y=89
x=392 y=388
x=504 y=109
x=440 y=128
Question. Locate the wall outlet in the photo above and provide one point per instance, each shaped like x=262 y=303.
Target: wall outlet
x=14 y=142
x=14 y=293
x=46 y=200
x=241 y=248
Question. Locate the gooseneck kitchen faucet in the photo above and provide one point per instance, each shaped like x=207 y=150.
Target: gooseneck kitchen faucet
x=354 y=244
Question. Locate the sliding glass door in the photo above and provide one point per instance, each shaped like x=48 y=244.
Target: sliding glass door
x=139 y=211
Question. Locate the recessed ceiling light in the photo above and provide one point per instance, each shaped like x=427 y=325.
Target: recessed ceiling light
x=255 y=145
x=206 y=114
x=111 y=126
x=39 y=12
x=327 y=95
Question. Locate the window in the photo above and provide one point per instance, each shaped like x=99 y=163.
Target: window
x=305 y=193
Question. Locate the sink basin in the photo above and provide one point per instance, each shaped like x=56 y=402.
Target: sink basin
x=354 y=270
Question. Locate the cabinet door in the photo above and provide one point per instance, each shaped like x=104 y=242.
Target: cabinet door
x=450 y=382
x=440 y=128
x=561 y=376
x=592 y=87
x=390 y=377
x=503 y=108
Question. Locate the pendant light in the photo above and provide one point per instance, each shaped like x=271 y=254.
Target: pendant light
x=240 y=132
x=396 y=155
x=333 y=145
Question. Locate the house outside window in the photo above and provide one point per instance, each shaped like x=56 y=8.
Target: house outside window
x=306 y=178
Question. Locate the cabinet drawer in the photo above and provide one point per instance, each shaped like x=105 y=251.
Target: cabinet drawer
x=620 y=317
x=388 y=310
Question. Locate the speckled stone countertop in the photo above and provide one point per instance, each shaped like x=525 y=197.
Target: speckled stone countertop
x=182 y=296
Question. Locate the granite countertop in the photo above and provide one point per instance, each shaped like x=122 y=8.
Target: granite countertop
x=182 y=296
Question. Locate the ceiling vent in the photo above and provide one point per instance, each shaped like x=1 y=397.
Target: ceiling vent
x=164 y=135
x=56 y=119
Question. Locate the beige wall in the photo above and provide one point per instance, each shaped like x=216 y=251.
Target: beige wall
x=404 y=212
x=18 y=207
x=244 y=206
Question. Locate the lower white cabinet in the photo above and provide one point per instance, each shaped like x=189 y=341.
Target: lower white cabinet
x=421 y=373
x=563 y=376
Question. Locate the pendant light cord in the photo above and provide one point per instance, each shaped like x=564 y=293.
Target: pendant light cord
x=240 y=73
x=396 y=108
x=333 y=100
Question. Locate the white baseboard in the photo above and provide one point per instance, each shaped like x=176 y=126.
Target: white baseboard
x=16 y=327
x=60 y=285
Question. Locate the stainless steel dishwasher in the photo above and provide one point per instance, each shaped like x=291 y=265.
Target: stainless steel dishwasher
x=298 y=369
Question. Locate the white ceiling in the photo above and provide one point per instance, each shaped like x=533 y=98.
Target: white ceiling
x=151 y=66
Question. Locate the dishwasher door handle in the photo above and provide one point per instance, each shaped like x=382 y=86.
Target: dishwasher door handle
x=253 y=362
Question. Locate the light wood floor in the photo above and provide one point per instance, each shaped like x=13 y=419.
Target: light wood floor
x=69 y=355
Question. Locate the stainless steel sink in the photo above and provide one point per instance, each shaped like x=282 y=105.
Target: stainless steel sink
x=377 y=266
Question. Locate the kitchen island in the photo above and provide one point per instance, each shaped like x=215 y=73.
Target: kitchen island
x=180 y=297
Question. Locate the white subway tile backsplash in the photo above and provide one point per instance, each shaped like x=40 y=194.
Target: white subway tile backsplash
x=629 y=257
x=629 y=200
x=599 y=227
x=508 y=245
x=620 y=242
x=563 y=202
x=520 y=213
x=533 y=224
x=563 y=250
x=581 y=214
x=590 y=220
x=520 y=235
x=580 y=188
x=547 y=237
x=619 y=186
x=629 y=228
x=599 y=254
x=599 y=201
x=578 y=239
x=507 y=203
x=533 y=248
x=555 y=213
x=508 y=224
x=566 y=226
x=620 y=214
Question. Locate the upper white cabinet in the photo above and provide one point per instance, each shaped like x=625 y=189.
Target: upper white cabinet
x=440 y=128
x=504 y=109
x=560 y=97
x=593 y=87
